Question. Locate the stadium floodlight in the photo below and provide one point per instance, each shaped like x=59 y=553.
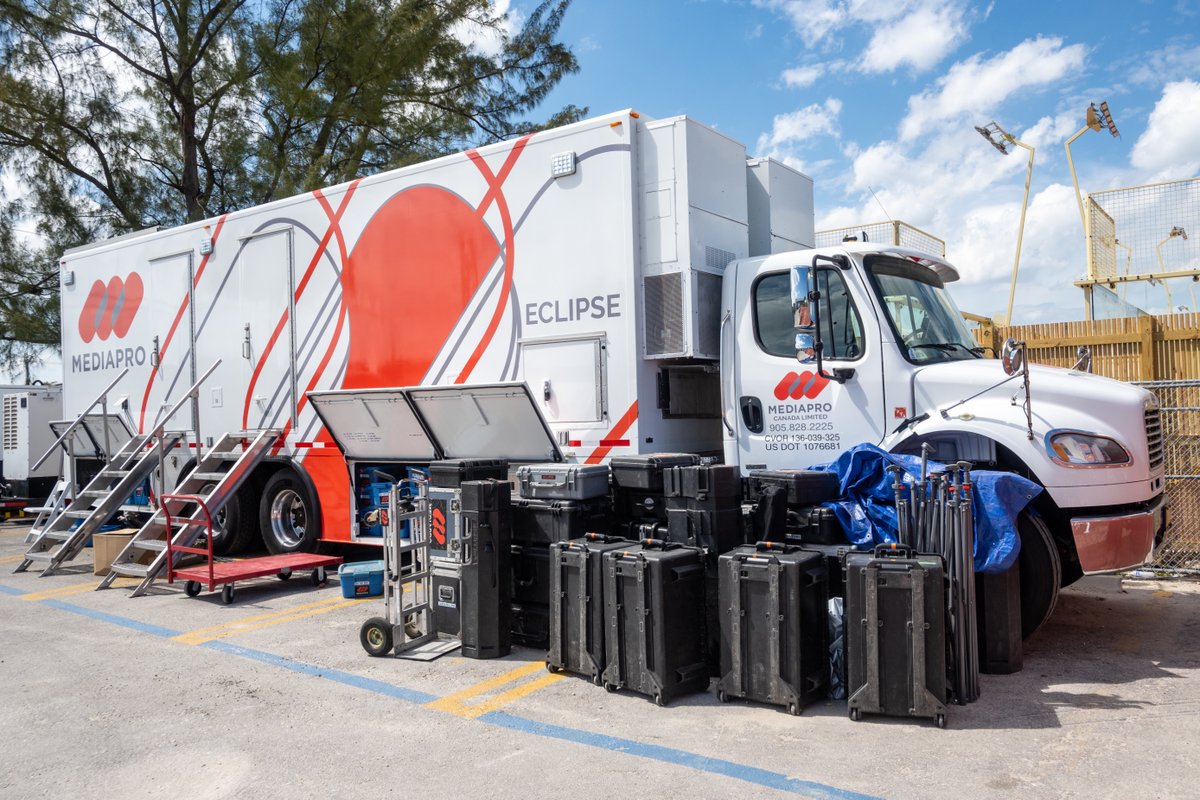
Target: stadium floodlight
x=1001 y=139
x=1098 y=118
x=1177 y=231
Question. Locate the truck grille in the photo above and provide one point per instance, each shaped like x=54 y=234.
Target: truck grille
x=1154 y=437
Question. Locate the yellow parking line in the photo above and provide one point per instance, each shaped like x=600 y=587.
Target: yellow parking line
x=74 y=588
x=517 y=692
x=276 y=621
x=215 y=631
x=453 y=703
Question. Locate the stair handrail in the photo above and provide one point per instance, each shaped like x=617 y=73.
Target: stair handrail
x=157 y=432
x=102 y=400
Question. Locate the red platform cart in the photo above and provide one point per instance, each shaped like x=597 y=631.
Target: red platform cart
x=225 y=573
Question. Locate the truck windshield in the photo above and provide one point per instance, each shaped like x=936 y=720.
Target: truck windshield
x=921 y=311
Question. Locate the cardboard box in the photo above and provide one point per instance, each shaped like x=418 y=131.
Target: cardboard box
x=107 y=546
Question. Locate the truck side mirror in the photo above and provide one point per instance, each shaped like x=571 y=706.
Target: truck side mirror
x=802 y=315
x=1012 y=356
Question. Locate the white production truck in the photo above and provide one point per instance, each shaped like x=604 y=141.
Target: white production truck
x=619 y=285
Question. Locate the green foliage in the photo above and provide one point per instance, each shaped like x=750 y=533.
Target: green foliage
x=116 y=115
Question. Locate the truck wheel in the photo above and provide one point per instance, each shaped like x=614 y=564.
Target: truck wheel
x=1041 y=572
x=288 y=514
x=232 y=531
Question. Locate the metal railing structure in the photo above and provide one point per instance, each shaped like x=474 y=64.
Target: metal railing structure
x=890 y=232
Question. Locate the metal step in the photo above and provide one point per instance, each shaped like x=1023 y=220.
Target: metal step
x=114 y=473
x=208 y=476
x=44 y=555
x=93 y=493
x=129 y=569
x=77 y=514
x=58 y=536
x=157 y=545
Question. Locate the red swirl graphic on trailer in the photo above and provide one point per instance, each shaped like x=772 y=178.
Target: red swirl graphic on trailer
x=110 y=308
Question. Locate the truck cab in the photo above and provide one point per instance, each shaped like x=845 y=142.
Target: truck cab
x=872 y=348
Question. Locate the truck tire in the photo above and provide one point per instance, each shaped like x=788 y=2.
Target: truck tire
x=232 y=528
x=1041 y=572
x=288 y=515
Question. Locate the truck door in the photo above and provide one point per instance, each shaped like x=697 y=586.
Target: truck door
x=785 y=415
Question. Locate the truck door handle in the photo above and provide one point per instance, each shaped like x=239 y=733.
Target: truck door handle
x=727 y=376
x=752 y=414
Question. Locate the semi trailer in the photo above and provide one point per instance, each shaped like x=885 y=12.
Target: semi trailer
x=619 y=285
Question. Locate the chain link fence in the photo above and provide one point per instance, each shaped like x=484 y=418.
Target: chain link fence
x=1180 y=550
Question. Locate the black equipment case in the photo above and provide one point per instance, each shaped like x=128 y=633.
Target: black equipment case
x=704 y=507
x=773 y=625
x=638 y=485
x=814 y=525
x=531 y=625
x=895 y=623
x=654 y=613
x=998 y=611
x=577 y=604
x=805 y=487
x=485 y=571
x=530 y=573
x=451 y=473
x=548 y=521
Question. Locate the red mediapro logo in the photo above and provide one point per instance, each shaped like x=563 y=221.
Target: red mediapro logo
x=110 y=308
x=439 y=526
x=800 y=385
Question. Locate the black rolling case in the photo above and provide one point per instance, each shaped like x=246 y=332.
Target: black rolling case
x=998 y=611
x=895 y=623
x=531 y=625
x=654 y=614
x=530 y=573
x=485 y=570
x=835 y=565
x=773 y=626
x=805 y=487
x=548 y=521
x=451 y=473
x=577 y=604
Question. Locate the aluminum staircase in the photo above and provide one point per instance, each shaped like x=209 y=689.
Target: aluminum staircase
x=48 y=511
x=216 y=477
x=64 y=537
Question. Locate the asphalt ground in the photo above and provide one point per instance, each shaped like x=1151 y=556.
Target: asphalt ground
x=105 y=695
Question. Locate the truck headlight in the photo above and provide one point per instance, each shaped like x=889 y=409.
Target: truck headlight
x=1079 y=449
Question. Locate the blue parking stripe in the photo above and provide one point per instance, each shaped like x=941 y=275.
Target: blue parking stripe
x=11 y=589
x=124 y=622
x=335 y=675
x=669 y=755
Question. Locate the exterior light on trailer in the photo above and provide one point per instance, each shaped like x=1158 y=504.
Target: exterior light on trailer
x=562 y=164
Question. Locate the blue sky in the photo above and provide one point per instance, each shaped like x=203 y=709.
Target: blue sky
x=883 y=96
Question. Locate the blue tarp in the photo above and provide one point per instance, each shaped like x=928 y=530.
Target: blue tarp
x=867 y=509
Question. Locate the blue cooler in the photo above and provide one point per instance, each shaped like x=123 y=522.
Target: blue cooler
x=363 y=579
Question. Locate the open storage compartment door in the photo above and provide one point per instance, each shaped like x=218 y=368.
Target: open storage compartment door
x=430 y=423
x=493 y=421
x=374 y=425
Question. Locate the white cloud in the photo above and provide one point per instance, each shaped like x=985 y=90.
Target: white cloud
x=799 y=77
x=502 y=22
x=797 y=126
x=1167 y=63
x=976 y=85
x=918 y=40
x=1169 y=148
x=905 y=33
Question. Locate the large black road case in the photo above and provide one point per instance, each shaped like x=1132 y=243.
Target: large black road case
x=895 y=623
x=485 y=569
x=773 y=625
x=654 y=613
x=547 y=521
x=577 y=604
